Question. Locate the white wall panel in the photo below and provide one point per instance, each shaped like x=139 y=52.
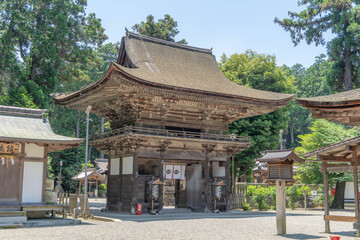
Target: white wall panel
x=217 y=171
x=127 y=167
x=32 y=182
x=114 y=166
x=34 y=151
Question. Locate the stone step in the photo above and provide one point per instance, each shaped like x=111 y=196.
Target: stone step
x=12 y=213
x=11 y=225
x=9 y=208
x=13 y=219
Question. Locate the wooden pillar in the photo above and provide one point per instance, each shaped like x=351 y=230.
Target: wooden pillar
x=161 y=177
x=326 y=197
x=79 y=187
x=280 y=208
x=207 y=181
x=356 y=192
x=97 y=188
x=227 y=182
x=134 y=182
x=233 y=175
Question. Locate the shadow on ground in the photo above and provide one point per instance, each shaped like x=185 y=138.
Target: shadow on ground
x=302 y=236
x=347 y=233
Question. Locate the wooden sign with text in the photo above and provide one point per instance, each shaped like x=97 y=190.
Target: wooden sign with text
x=11 y=149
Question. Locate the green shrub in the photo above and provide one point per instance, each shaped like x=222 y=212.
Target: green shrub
x=259 y=197
x=250 y=190
x=102 y=189
x=272 y=191
x=246 y=206
x=294 y=193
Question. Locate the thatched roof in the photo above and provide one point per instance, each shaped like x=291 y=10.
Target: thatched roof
x=156 y=63
x=341 y=107
x=31 y=126
x=344 y=100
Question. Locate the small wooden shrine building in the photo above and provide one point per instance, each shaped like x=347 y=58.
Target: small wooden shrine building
x=94 y=177
x=280 y=165
x=343 y=156
x=169 y=107
x=26 y=139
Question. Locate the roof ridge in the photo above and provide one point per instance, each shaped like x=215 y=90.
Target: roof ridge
x=164 y=42
x=20 y=111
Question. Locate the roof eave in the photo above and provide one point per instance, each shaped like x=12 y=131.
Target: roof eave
x=113 y=67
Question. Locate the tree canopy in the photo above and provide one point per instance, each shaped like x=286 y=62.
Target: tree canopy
x=44 y=43
x=165 y=28
x=258 y=71
x=342 y=18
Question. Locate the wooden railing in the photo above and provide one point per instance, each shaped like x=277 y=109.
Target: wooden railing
x=130 y=130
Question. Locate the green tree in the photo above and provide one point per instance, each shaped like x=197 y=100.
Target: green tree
x=44 y=43
x=310 y=82
x=324 y=133
x=261 y=72
x=165 y=28
x=342 y=18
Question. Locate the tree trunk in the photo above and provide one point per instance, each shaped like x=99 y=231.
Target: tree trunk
x=292 y=144
x=339 y=198
x=348 y=70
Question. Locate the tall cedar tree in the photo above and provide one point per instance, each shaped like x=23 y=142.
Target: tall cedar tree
x=165 y=28
x=44 y=43
x=342 y=17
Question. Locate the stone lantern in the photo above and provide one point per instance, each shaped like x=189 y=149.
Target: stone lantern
x=154 y=189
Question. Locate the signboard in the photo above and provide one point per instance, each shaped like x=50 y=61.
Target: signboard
x=11 y=149
x=8 y=153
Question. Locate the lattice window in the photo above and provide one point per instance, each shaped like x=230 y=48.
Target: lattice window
x=274 y=172
x=285 y=171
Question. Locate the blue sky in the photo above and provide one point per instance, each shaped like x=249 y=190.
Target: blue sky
x=227 y=26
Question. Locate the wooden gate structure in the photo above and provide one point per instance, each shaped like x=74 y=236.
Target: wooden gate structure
x=168 y=104
x=343 y=108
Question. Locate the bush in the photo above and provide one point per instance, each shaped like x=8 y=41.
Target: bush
x=294 y=193
x=250 y=190
x=102 y=189
x=272 y=191
x=246 y=206
x=259 y=196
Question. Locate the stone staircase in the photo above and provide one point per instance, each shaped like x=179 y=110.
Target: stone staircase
x=12 y=216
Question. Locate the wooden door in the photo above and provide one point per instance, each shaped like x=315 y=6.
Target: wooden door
x=10 y=182
x=194 y=185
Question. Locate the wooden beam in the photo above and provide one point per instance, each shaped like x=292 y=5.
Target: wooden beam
x=335 y=158
x=339 y=218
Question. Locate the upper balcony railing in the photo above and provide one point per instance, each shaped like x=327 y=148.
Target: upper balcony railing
x=131 y=130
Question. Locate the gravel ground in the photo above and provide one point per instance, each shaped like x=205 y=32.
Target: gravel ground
x=234 y=225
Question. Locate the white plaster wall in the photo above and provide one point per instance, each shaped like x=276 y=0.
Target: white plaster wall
x=114 y=166
x=34 y=151
x=127 y=167
x=217 y=171
x=349 y=190
x=32 y=182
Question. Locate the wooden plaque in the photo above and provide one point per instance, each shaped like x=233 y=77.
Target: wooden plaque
x=11 y=149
